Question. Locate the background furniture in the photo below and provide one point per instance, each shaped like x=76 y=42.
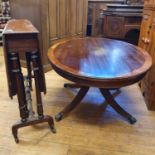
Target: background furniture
x=4 y=15
x=147 y=42
x=115 y=19
x=98 y=62
x=20 y=37
x=123 y=22
x=95 y=15
x=55 y=19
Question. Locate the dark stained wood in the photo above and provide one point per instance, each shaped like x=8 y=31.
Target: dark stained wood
x=107 y=95
x=114 y=27
x=81 y=94
x=99 y=62
x=71 y=85
x=108 y=19
x=31 y=121
x=20 y=36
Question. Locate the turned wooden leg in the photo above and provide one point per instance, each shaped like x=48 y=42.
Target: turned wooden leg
x=82 y=92
x=22 y=94
x=36 y=72
x=107 y=95
x=72 y=85
x=29 y=69
x=19 y=82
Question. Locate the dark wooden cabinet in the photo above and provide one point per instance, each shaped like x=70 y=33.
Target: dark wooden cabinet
x=115 y=20
x=114 y=27
x=123 y=22
x=95 y=15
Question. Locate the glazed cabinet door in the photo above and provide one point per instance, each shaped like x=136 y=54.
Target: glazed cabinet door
x=145 y=34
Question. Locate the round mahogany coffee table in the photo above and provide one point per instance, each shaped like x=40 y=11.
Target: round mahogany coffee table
x=98 y=62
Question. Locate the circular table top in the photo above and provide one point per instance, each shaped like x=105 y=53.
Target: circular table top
x=99 y=61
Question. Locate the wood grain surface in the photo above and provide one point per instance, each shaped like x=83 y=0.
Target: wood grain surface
x=19 y=26
x=100 y=132
x=99 y=60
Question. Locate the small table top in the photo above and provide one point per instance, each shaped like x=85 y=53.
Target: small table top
x=19 y=26
x=99 y=61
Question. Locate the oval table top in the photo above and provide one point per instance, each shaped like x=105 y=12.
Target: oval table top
x=99 y=62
